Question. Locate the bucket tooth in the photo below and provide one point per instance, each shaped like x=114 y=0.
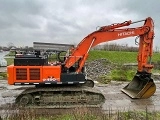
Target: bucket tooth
x=140 y=88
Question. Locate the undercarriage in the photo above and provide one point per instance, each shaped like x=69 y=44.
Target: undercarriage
x=60 y=97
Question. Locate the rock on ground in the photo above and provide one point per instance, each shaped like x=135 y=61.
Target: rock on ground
x=97 y=68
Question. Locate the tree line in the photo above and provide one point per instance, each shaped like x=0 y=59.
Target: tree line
x=116 y=47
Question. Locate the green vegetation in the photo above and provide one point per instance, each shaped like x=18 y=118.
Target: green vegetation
x=11 y=53
x=123 y=74
x=119 y=57
x=82 y=114
x=10 y=61
x=3 y=75
x=52 y=58
x=120 y=73
x=139 y=115
x=105 y=79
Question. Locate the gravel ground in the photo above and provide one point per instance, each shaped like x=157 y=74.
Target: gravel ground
x=115 y=99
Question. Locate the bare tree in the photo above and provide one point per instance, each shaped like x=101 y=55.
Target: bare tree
x=10 y=45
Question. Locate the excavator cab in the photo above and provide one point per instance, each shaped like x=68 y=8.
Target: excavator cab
x=142 y=86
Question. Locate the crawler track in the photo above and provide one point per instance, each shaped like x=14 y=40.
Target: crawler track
x=60 y=97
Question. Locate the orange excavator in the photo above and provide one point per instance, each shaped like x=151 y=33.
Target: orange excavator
x=65 y=84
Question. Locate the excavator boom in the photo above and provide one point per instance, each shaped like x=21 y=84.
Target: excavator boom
x=140 y=87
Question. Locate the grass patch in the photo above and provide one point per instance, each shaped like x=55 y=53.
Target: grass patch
x=52 y=58
x=140 y=115
x=105 y=79
x=123 y=73
x=120 y=73
x=3 y=75
x=10 y=61
x=81 y=114
x=113 y=56
x=119 y=57
x=11 y=53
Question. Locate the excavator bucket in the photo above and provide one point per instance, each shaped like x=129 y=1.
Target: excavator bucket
x=140 y=87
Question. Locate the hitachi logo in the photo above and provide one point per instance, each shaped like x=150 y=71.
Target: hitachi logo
x=126 y=33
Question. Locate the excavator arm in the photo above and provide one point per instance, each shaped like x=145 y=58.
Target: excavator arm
x=142 y=85
x=109 y=33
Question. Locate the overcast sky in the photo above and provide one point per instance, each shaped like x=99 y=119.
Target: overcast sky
x=23 y=22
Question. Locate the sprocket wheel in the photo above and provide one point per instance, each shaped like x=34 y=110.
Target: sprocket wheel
x=24 y=100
